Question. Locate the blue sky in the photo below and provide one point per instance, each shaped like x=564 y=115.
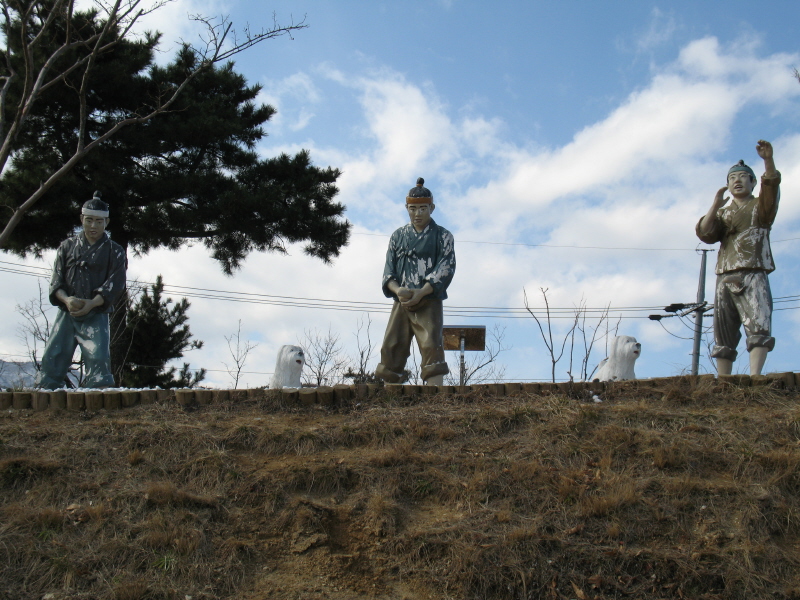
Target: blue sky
x=542 y=126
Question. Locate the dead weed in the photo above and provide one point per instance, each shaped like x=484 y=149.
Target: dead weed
x=687 y=489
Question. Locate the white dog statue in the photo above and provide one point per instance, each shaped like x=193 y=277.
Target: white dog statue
x=619 y=364
x=288 y=368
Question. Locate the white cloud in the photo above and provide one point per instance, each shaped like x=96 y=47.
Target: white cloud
x=787 y=158
x=660 y=31
x=640 y=177
x=679 y=121
x=303 y=119
x=409 y=126
x=271 y=326
x=293 y=98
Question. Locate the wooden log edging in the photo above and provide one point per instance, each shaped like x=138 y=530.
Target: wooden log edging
x=325 y=396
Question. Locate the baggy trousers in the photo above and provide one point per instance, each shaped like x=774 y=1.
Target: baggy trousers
x=426 y=325
x=91 y=333
x=748 y=304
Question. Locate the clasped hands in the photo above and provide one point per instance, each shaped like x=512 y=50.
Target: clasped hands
x=79 y=307
x=410 y=297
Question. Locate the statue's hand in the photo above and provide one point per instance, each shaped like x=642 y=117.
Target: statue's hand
x=404 y=293
x=414 y=299
x=75 y=304
x=82 y=312
x=86 y=307
x=720 y=200
x=764 y=149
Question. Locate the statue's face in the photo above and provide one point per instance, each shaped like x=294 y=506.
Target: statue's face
x=93 y=227
x=420 y=215
x=740 y=185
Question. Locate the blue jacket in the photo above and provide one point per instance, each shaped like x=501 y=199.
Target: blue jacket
x=414 y=258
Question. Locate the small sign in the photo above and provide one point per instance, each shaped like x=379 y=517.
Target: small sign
x=474 y=337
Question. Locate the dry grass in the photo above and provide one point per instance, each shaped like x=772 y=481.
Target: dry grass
x=683 y=491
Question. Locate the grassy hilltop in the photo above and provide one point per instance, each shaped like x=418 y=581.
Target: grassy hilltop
x=686 y=490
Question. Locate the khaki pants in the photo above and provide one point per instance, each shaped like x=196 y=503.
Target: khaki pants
x=426 y=325
x=748 y=304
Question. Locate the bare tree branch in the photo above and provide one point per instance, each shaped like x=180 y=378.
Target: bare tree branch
x=218 y=30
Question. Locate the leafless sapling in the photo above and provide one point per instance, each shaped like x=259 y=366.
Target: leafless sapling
x=239 y=350
x=555 y=356
x=589 y=336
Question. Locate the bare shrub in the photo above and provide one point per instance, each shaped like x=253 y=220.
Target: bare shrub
x=325 y=362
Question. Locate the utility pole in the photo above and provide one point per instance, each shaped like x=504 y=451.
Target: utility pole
x=699 y=309
x=699 y=312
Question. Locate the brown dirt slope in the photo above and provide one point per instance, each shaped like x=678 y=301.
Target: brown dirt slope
x=688 y=490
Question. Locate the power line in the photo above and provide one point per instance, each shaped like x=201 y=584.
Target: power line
x=483 y=312
x=5 y=262
x=387 y=235
x=466 y=311
x=358 y=304
x=371 y=307
x=673 y=334
x=561 y=246
x=199 y=369
x=353 y=305
x=18 y=272
x=569 y=246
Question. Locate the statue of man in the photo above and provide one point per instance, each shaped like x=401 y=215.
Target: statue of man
x=420 y=264
x=742 y=295
x=88 y=278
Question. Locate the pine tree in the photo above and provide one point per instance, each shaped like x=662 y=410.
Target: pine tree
x=192 y=173
x=158 y=331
